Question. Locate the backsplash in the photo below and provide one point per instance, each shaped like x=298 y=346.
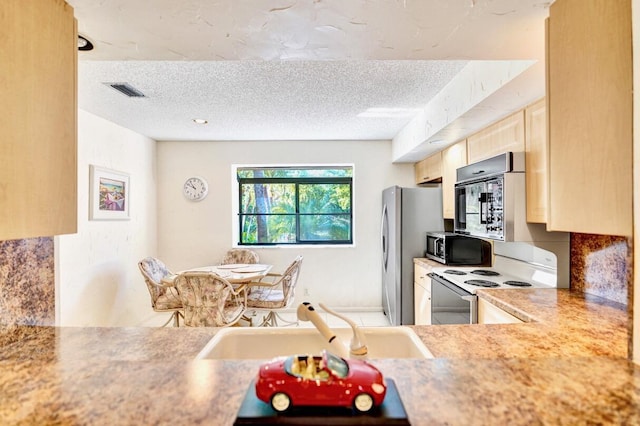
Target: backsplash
x=601 y=265
x=27 y=281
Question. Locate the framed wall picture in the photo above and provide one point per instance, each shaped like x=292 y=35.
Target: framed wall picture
x=108 y=194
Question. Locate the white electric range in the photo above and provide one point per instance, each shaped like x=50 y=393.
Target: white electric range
x=506 y=273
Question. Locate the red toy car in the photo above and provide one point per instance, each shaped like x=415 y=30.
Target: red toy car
x=326 y=380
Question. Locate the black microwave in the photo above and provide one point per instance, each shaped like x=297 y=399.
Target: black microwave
x=455 y=249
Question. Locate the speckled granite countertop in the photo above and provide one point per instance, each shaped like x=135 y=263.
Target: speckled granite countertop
x=566 y=365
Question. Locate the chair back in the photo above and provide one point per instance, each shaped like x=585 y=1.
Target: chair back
x=290 y=279
x=240 y=256
x=154 y=270
x=208 y=300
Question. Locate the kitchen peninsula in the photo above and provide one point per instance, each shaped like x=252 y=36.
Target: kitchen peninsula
x=566 y=364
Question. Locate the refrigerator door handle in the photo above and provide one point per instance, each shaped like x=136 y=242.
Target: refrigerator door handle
x=384 y=234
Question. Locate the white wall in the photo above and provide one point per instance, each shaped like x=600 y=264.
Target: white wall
x=97 y=278
x=192 y=234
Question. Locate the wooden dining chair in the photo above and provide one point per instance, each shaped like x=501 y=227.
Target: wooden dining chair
x=164 y=298
x=209 y=300
x=275 y=292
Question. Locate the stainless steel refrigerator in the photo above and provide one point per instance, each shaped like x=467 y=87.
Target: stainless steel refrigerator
x=407 y=215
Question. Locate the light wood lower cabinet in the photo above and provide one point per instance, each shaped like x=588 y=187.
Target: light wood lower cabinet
x=489 y=313
x=422 y=295
x=505 y=135
x=453 y=158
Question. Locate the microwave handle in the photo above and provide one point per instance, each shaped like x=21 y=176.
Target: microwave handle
x=438 y=246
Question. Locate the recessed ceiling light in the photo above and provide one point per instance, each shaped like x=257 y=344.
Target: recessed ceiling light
x=389 y=112
x=84 y=43
x=200 y=121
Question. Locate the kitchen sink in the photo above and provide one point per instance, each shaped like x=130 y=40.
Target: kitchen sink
x=266 y=343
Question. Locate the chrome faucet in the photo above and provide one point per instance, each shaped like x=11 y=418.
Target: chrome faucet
x=357 y=346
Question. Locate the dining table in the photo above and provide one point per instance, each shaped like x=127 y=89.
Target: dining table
x=237 y=274
x=241 y=275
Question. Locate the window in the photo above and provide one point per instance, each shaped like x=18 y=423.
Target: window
x=295 y=205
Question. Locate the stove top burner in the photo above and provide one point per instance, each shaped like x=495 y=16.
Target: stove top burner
x=485 y=272
x=482 y=283
x=517 y=283
x=455 y=272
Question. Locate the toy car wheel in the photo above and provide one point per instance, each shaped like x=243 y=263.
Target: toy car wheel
x=280 y=402
x=363 y=403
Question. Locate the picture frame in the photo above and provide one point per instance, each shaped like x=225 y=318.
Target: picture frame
x=109 y=197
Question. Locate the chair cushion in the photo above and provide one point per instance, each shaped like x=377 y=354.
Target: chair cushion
x=261 y=297
x=166 y=302
x=155 y=269
x=208 y=300
x=207 y=316
x=240 y=256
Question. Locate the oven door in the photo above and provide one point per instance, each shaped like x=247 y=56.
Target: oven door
x=450 y=304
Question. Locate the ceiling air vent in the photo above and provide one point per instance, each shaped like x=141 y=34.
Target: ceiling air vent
x=126 y=89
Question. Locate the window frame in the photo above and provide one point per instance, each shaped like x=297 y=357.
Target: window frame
x=297 y=181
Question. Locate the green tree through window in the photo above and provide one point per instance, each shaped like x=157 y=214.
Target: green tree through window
x=295 y=205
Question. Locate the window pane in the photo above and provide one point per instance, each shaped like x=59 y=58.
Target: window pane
x=293 y=205
x=325 y=228
x=264 y=229
x=268 y=198
x=325 y=198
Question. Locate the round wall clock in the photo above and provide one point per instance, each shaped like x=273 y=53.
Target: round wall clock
x=195 y=188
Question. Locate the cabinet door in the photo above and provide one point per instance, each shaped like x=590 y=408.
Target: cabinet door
x=38 y=173
x=422 y=295
x=489 y=313
x=421 y=275
x=589 y=97
x=429 y=169
x=453 y=157
x=505 y=135
x=536 y=163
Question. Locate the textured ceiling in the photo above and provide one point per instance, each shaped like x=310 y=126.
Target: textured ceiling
x=302 y=70
x=262 y=100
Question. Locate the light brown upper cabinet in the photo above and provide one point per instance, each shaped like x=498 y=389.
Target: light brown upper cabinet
x=453 y=157
x=536 y=161
x=589 y=101
x=505 y=135
x=429 y=169
x=38 y=118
